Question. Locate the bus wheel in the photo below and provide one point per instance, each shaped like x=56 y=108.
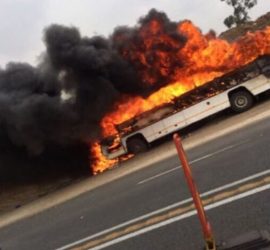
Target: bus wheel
x=241 y=101
x=136 y=145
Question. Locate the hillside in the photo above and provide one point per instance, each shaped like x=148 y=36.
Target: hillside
x=251 y=26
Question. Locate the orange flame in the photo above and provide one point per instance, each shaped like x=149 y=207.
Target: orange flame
x=205 y=57
x=102 y=163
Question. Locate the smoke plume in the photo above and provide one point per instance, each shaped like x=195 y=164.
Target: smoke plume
x=62 y=100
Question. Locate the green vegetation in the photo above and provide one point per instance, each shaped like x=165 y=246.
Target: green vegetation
x=240 y=12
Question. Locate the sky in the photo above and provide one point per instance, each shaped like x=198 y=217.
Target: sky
x=22 y=21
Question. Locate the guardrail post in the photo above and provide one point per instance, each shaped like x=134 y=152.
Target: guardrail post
x=206 y=228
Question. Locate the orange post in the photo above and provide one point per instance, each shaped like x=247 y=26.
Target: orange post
x=206 y=228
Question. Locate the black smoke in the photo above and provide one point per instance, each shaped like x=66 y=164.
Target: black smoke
x=33 y=113
x=62 y=100
x=165 y=39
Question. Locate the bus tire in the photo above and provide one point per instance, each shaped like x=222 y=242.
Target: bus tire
x=241 y=101
x=136 y=145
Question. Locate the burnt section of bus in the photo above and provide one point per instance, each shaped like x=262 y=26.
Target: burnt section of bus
x=111 y=143
x=259 y=66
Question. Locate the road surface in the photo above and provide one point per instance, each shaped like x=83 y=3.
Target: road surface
x=150 y=209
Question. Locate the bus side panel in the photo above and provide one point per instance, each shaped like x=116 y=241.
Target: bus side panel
x=150 y=133
x=257 y=85
x=174 y=122
x=163 y=127
x=206 y=108
x=158 y=130
x=188 y=116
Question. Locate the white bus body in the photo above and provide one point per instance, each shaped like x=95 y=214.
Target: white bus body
x=240 y=96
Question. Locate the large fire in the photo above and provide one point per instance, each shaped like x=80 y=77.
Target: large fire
x=201 y=58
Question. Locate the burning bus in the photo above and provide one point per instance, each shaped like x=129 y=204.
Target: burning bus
x=172 y=61
x=237 y=90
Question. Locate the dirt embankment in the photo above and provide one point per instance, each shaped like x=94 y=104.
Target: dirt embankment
x=234 y=33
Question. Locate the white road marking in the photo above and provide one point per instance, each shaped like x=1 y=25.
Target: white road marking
x=194 y=161
x=213 y=191
x=180 y=217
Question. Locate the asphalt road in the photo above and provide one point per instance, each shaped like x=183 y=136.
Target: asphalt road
x=226 y=160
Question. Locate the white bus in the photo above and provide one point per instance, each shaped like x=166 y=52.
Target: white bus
x=236 y=90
